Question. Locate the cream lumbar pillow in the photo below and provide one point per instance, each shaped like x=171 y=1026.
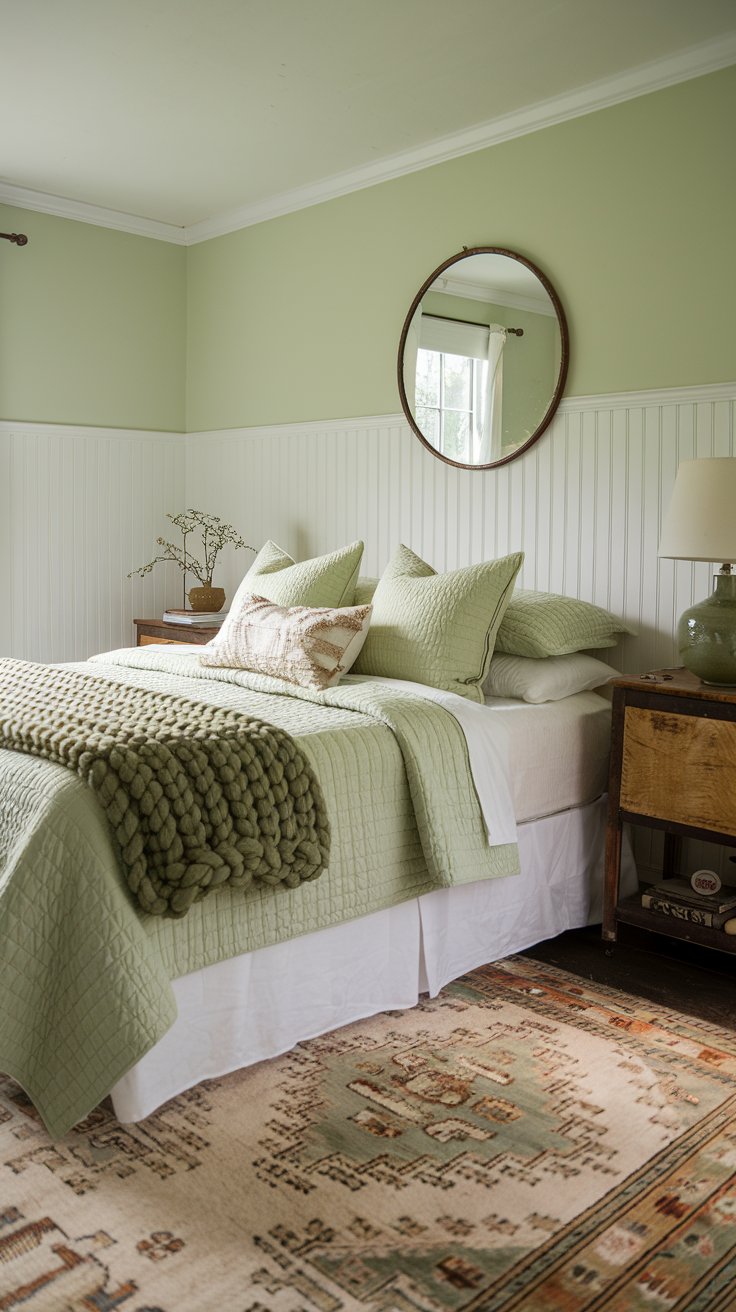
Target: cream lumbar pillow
x=322 y=581
x=437 y=629
x=547 y=679
x=308 y=646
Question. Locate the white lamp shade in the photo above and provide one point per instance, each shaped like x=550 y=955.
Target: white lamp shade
x=701 y=521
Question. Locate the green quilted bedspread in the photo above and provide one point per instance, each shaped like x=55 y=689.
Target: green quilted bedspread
x=85 y=975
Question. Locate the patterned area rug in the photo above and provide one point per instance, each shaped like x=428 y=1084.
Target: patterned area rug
x=526 y=1141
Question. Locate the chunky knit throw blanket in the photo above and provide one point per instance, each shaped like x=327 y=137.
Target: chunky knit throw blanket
x=197 y=796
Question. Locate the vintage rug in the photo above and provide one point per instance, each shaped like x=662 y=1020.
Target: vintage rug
x=527 y=1142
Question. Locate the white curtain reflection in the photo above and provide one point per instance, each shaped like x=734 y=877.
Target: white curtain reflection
x=488 y=444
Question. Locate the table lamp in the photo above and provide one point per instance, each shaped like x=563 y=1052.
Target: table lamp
x=701 y=525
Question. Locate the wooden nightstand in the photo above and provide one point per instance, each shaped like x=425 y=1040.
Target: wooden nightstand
x=673 y=767
x=157 y=631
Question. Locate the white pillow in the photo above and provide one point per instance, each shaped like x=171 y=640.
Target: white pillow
x=310 y=646
x=546 y=679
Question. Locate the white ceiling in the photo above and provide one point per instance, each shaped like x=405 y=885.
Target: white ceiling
x=189 y=112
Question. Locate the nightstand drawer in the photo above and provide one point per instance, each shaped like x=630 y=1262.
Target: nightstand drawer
x=149 y=631
x=679 y=768
x=146 y=639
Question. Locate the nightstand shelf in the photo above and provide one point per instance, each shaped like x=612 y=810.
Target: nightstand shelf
x=149 y=631
x=673 y=767
x=631 y=912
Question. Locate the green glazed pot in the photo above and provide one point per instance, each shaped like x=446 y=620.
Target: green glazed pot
x=706 y=634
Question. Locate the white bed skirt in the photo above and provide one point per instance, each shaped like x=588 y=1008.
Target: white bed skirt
x=260 y=1004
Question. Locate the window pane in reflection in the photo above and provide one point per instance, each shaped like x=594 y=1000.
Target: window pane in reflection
x=456 y=435
x=428 y=378
x=429 y=422
x=456 y=381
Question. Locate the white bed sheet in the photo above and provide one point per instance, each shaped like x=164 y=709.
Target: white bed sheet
x=558 y=751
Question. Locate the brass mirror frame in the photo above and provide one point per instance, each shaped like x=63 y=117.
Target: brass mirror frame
x=564 y=353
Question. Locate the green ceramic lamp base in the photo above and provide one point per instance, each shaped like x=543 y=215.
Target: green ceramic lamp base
x=706 y=634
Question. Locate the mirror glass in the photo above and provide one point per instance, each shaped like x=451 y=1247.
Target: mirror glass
x=483 y=357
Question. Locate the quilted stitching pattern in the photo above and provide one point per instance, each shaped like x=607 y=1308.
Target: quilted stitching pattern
x=82 y=986
x=323 y=581
x=546 y=624
x=85 y=978
x=437 y=629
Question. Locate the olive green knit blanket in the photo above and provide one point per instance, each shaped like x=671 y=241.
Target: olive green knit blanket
x=197 y=796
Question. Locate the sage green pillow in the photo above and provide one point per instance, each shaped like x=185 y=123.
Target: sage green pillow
x=364 y=590
x=547 y=624
x=434 y=628
x=323 y=581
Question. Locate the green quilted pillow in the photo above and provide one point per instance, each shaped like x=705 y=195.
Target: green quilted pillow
x=323 y=581
x=546 y=624
x=364 y=590
x=434 y=628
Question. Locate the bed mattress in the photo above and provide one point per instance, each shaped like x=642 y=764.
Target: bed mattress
x=558 y=751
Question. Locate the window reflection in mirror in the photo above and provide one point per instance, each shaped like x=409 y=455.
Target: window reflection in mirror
x=483 y=357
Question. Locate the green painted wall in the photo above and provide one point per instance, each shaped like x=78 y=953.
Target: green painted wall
x=630 y=211
x=92 y=325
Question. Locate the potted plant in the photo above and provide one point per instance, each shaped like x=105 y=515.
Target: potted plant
x=214 y=535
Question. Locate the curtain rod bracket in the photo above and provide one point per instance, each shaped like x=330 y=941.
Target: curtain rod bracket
x=17 y=238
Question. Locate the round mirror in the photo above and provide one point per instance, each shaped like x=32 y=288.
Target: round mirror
x=483 y=357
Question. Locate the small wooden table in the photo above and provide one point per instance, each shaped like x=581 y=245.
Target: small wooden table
x=147 y=631
x=673 y=767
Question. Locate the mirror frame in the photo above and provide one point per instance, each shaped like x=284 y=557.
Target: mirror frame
x=564 y=353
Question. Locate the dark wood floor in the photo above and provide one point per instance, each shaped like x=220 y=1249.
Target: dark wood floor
x=694 y=980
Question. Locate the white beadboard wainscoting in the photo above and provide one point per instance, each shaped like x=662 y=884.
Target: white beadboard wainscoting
x=79 y=508
x=585 y=504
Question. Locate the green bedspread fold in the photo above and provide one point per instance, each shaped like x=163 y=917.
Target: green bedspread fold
x=85 y=975
x=196 y=796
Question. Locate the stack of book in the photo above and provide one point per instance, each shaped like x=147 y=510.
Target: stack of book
x=209 y=619
x=677 y=898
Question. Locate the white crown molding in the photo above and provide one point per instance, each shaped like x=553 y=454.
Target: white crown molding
x=494 y=296
x=25 y=199
x=707 y=57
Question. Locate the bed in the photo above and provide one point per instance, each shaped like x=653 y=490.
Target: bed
x=100 y=999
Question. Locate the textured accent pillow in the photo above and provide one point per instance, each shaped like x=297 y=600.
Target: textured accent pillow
x=303 y=645
x=548 y=679
x=322 y=581
x=434 y=628
x=546 y=624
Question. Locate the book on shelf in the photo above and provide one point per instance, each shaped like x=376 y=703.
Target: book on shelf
x=682 y=892
x=685 y=911
x=210 y=618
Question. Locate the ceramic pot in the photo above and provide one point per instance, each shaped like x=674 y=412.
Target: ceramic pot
x=206 y=598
